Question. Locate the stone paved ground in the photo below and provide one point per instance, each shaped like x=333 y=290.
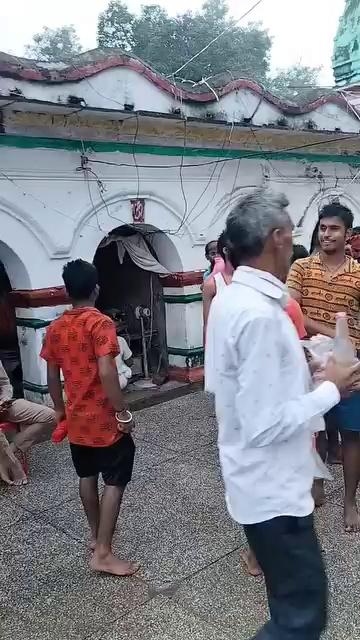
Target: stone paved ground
x=192 y=584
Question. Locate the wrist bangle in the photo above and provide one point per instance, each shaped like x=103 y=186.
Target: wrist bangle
x=124 y=421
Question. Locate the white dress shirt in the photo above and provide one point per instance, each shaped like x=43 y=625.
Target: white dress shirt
x=264 y=403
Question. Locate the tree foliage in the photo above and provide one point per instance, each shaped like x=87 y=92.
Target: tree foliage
x=54 y=45
x=296 y=84
x=115 y=26
x=168 y=42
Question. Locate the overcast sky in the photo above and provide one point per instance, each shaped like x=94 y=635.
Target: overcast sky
x=302 y=30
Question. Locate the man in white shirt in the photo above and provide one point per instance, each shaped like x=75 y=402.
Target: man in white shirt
x=266 y=411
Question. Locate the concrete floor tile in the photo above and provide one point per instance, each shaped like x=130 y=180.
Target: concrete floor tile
x=77 y=609
x=162 y=619
x=174 y=521
x=10 y=512
x=208 y=454
x=337 y=483
x=177 y=523
x=52 y=479
x=344 y=617
x=182 y=425
x=34 y=548
x=147 y=457
x=224 y=594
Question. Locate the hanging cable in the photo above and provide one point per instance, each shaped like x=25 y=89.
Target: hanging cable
x=228 y=28
x=36 y=199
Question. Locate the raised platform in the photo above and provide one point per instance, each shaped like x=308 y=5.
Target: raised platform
x=143 y=398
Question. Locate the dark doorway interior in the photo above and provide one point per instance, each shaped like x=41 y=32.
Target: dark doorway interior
x=9 y=345
x=123 y=288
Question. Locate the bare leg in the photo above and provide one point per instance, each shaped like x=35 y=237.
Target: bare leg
x=318 y=491
x=103 y=558
x=351 y=453
x=36 y=421
x=89 y=494
x=334 y=452
x=251 y=563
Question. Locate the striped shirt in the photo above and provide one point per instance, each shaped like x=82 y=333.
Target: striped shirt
x=324 y=294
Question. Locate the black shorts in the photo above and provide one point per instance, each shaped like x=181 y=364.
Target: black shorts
x=115 y=463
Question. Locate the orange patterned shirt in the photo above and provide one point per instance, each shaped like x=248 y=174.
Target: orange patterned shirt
x=324 y=294
x=74 y=342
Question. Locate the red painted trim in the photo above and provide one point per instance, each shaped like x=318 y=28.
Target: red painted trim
x=33 y=298
x=181 y=374
x=20 y=69
x=183 y=279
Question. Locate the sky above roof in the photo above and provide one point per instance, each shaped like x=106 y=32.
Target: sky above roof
x=302 y=33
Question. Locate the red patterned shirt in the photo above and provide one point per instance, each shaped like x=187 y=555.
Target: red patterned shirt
x=74 y=342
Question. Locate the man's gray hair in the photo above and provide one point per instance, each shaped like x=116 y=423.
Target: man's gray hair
x=252 y=220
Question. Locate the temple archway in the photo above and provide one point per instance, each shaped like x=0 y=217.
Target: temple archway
x=13 y=274
x=132 y=261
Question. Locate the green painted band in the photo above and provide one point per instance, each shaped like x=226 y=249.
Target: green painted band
x=186 y=353
x=34 y=142
x=36 y=388
x=32 y=323
x=183 y=299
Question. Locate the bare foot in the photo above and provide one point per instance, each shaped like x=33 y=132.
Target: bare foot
x=318 y=493
x=11 y=470
x=251 y=563
x=112 y=564
x=92 y=544
x=352 y=518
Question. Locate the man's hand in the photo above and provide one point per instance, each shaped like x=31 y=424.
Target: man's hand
x=346 y=378
x=124 y=427
x=4 y=407
x=59 y=415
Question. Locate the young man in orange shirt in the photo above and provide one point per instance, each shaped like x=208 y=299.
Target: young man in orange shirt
x=82 y=343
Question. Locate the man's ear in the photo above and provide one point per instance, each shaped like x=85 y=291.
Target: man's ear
x=278 y=238
x=348 y=235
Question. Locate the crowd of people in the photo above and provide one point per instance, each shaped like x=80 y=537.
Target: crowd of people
x=267 y=405
x=262 y=296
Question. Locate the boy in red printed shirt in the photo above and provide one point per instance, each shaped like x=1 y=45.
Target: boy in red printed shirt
x=83 y=344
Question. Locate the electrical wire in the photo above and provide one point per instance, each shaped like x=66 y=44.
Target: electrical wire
x=228 y=28
x=243 y=157
x=134 y=155
x=101 y=188
x=229 y=198
x=186 y=206
x=210 y=181
x=36 y=199
x=86 y=178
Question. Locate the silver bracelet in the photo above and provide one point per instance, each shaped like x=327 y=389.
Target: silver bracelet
x=124 y=421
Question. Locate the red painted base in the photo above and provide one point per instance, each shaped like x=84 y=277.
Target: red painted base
x=193 y=375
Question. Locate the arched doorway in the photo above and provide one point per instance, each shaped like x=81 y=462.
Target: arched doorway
x=12 y=273
x=130 y=262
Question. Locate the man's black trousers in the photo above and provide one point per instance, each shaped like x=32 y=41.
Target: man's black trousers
x=288 y=552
